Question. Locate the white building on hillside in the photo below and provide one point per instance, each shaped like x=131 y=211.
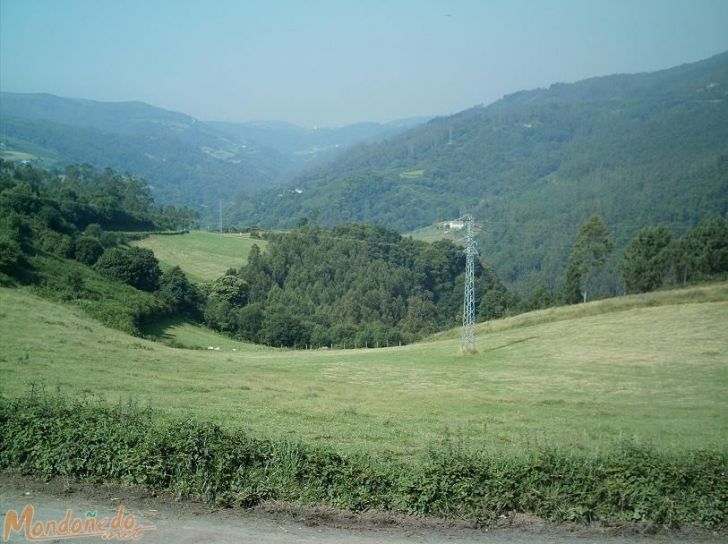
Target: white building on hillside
x=455 y=224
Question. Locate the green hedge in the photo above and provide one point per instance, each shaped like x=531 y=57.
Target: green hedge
x=50 y=436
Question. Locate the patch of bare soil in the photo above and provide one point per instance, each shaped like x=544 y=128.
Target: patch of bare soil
x=183 y=521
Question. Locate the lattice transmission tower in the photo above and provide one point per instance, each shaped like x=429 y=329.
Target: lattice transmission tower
x=467 y=340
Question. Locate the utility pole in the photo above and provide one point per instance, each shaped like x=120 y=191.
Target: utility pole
x=467 y=340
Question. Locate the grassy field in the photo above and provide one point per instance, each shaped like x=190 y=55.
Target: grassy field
x=412 y=174
x=179 y=333
x=18 y=150
x=16 y=156
x=650 y=368
x=432 y=234
x=203 y=256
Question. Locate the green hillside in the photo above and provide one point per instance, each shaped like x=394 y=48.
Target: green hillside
x=184 y=160
x=637 y=149
x=204 y=256
x=646 y=368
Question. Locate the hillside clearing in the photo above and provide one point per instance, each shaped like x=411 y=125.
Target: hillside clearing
x=203 y=256
x=433 y=233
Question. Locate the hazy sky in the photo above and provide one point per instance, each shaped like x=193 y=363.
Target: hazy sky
x=335 y=62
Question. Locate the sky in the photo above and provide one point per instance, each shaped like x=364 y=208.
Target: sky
x=331 y=63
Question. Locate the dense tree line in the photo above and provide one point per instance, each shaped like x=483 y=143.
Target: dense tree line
x=81 y=198
x=654 y=258
x=74 y=213
x=48 y=218
x=352 y=285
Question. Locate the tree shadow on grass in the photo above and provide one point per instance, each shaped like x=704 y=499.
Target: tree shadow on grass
x=158 y=330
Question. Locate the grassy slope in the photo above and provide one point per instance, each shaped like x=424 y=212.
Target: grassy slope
x=652 y=368
x=179 y=332
x=203 y=256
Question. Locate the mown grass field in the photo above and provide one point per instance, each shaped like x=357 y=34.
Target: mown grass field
x=651 y=368
x=203 y=256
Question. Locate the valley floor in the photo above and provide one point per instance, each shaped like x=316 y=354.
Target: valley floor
x=651 y=369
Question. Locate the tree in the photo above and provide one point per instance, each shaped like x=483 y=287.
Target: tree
x=73 y=285
x=249 y=321
x=646 y=260
x=93 y=230
x=283 y=329
x=87 y=250
x=703 y=251
x=220 y=315
x=571 y=293
x=136 y=266
x=177 y=291
x=229 y=288
x=421 y=314
x=11 y=255
x=541 y=297
x=590 y=252
x=225 y=297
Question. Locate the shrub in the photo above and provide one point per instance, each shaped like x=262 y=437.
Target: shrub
x=88 y=250
x=55 y=243
x=93 y=230
x=135 y=266
x=49 y=436
x=229 y=288
x=11 y=255
x=177 y=291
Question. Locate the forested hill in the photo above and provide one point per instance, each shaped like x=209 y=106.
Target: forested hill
x=637 y=149
x=184 y=160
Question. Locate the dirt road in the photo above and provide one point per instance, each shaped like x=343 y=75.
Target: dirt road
x=186 y=522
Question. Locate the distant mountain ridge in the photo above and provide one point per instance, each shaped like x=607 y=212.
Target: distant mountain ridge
x=638 y=149
x=113 y=116
x=186 y=161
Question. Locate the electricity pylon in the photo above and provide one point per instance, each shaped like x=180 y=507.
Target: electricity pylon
x=467 y=340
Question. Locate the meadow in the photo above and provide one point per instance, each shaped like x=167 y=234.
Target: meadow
x=432 y=233
x=650 y=369
x=203 y=256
